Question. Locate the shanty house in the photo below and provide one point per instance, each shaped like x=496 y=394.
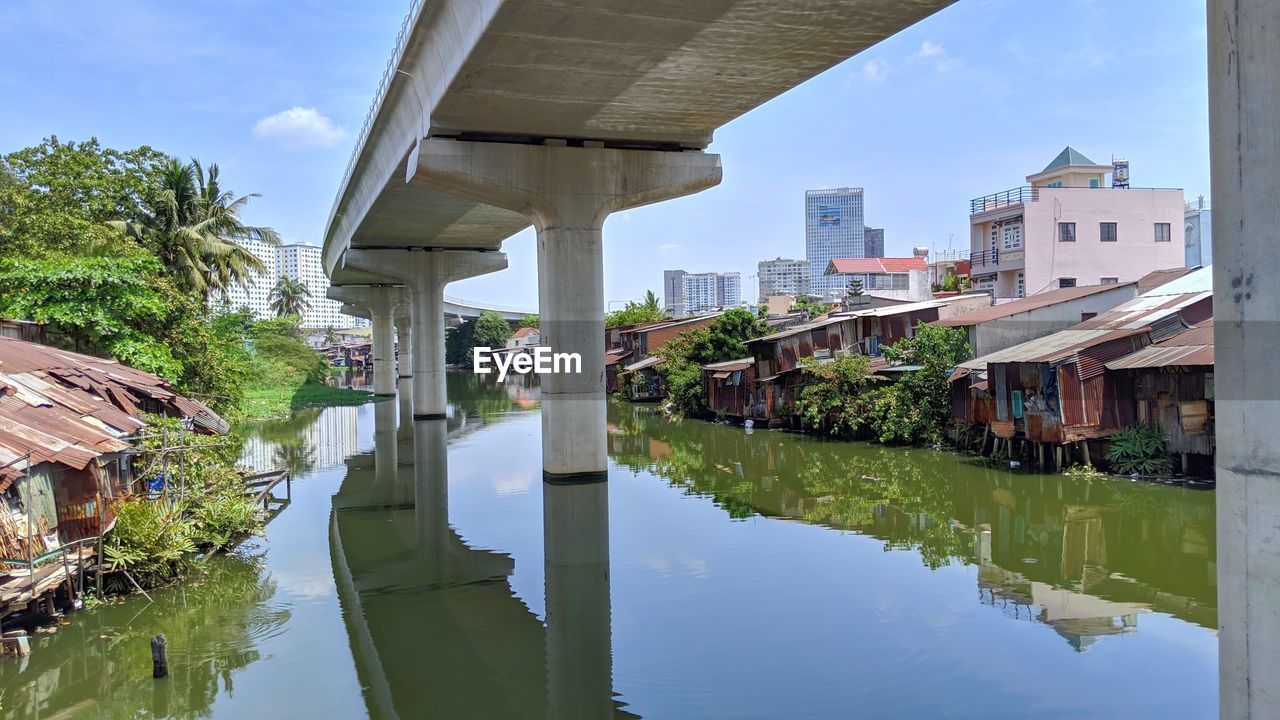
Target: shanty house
x=1056 y=389
x=1172 y=385
x=730 y=387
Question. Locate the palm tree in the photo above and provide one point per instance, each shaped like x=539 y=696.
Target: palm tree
x=290 y=297
x=194 y=226
x=651 y=302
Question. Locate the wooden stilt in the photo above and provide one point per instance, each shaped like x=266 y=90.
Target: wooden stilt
x=1085 y=445
x=1040 y=448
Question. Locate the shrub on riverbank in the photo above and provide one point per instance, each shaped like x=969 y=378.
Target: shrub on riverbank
x=725 y=338
x=840 y=401
x=202 y=505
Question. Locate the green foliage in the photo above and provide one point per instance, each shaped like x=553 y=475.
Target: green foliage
x=203 y=506
x=491 y=330
x=835 y=399
x=290 y=296
x=101 y=305
x=458 y=342
x=649 y=310
x=1139 y=449
x=282 y=357
x=152 y=540
x=684 y=355
x=913 y=410
x=55 y=196
x=810 y=305
x=529 y=321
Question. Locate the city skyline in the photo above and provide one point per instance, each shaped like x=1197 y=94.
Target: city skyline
x=281 y=114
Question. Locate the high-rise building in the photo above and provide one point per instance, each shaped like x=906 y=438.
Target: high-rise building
x=874 y=242
x=685 y=293
x=783 y=276
x=673 y=292
x=256 y=293
x=302 y=262
x=833 y=228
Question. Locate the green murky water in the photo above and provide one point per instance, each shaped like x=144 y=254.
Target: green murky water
x=750 y=575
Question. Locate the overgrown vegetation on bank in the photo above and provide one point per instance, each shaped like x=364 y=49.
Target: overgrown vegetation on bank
x=725 y=338
x=196 y=503
x=843 y=400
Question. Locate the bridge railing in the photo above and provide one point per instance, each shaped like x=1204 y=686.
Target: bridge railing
x=383 y=85
x=489 y=306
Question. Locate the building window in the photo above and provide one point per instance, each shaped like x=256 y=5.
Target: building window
x=1012 y=235
x=1055 y=184
x=1107 y=232
x=1020 y=285
x=1087 y=316
x=1066 y=282
x=1066 y=232
x=1110 y=280
x=1093 y=182
x=1163 y=232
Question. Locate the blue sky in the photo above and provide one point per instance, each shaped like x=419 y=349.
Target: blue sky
x=965 y=103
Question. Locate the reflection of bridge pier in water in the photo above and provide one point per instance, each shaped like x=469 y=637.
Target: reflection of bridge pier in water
x=435 y=627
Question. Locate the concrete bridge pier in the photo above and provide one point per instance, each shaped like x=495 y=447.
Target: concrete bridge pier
x=381 y=304
x=567 y=193
x=404 y=369
x=579 y=657
x=426 y=273
x=1244 y=144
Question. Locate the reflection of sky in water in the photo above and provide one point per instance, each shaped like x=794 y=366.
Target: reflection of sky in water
x=751 y=576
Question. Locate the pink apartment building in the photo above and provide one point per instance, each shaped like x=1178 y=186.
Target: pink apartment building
x=1071 y=227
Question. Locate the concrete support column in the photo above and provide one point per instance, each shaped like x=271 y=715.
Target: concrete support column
x=384 y=356
x=575 y=534
x=567 y=192
x=426 y=273
x=404 y=345
x=1244 y=142
x=430 y=398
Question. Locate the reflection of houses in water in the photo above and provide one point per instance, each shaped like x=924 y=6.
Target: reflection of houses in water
x=1080 y=618
x=324 y=439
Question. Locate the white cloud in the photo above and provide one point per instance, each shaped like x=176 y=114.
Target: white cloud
x=299 y=127
x=670 y=247
x=875 y=70
x=934 y=53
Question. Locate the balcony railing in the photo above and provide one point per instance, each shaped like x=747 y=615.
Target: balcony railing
x=986 y=257
x=995 y=201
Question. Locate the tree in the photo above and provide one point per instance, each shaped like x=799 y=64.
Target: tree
x=105 y=306
x=811 y=306
x=55 y=197
x=725 y=338
x=853 y=294
x=330 y=335
x=637 y=313
x=290 y=296
x=916 y=408
x=193 y=226
x=491 y=330
x=530 y=321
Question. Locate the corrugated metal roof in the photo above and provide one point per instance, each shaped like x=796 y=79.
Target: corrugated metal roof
x=1035 y=302
x=1193 y=346
x=64 y=407
x=731 y=365
x=1196 y=281
x=645 y=363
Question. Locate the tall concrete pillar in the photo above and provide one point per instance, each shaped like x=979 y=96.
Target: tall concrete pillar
x=567 y=192
x=404 y=346
x=575 y=535
x=384 y=355
x=1244 y=137
x=380 y=303
x=426 y=273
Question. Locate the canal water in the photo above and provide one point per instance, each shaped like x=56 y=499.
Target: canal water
x=750 y=575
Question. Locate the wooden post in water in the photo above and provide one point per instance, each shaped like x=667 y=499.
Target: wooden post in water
x=159 y=657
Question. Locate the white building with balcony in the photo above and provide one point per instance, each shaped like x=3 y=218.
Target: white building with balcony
x=1069 y=227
